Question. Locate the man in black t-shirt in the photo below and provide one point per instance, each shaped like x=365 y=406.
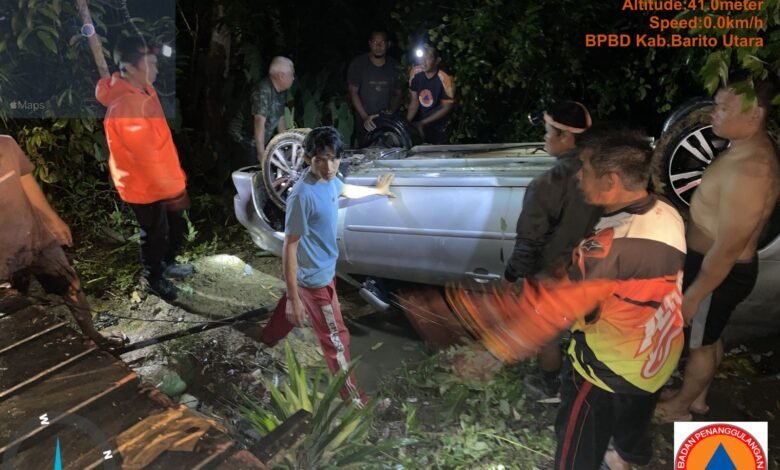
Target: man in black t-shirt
x=374 y=85
x=554 y=219
x=432 y=97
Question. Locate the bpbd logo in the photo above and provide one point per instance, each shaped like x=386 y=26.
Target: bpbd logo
x=720 y=446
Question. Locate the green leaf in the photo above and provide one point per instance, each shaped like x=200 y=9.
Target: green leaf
x=50 y=13
x=47 y=41
x=54 y=33
x=22 y=38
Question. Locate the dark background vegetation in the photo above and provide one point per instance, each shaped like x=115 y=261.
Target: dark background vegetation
x=509 y=57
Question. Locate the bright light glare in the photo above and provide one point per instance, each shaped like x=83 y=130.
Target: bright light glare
x=418 y=52
x=167 y=50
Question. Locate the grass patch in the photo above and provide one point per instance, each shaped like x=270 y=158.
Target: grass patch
x=448 y=422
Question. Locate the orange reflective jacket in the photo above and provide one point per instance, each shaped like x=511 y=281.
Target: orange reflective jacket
x=144 y=163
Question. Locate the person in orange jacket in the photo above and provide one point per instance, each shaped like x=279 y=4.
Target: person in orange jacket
x=144 y=163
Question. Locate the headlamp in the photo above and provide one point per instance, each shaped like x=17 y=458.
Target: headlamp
x=536 y=118
x=161 y=50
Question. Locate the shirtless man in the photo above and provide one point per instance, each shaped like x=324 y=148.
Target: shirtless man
x=729 y=210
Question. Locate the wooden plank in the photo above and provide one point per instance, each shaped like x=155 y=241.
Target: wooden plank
x=241 y=460
x=209 y=447
x=46 y=372
x=111 y=414
x=285 y=437
x=65 y=390
x=26 y=325
x=39 y=358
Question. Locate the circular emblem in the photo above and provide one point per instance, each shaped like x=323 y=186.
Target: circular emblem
x=720 y=446
x=88 y=30
x=426 y=98
x=64 y=427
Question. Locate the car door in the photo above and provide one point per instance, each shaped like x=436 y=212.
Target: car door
x=452 y=220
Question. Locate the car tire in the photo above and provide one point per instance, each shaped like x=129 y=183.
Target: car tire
x=391 y=131
x=682 y=154
x=282 y=164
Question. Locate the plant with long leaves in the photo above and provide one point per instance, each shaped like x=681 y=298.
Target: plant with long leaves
x=339 y=434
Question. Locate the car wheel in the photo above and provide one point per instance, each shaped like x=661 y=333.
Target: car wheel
x=682 y=154
x=283 y=164
x=391 y=131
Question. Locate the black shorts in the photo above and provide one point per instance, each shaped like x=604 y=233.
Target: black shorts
x=51 y=268
x=716 y=308
x=589 y=417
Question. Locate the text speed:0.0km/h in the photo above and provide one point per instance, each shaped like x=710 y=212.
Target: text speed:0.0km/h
x=727 y=22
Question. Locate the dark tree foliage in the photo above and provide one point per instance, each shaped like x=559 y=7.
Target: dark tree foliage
x=508 y=57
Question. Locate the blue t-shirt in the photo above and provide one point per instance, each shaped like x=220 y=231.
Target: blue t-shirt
x=312 y=213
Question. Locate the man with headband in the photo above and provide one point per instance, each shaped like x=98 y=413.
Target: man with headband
x=621 y=301
x=554 y=219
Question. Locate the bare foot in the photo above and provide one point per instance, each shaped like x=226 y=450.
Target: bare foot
x=699 y=408
x=666 y=412
x=614 y=461
x=667 y=393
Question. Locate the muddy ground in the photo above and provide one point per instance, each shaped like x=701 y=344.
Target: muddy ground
x=204 y=370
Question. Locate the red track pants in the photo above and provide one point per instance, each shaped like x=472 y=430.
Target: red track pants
x=322 y=306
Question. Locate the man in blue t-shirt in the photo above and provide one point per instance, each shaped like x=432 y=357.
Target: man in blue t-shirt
x=310 y=253
x=432 y=97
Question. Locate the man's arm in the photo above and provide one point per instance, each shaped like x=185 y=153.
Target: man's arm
x=354 y=79
x=296 y=312
x=50 y=218
x=281 y=126
x=533 y=227
x=538 y=313
x=447 y=101
x=259 y=135
x=444 y=109
x=413 y=107
x=93 y=40
x=382 y=188
x=740 y=211
x=354 y=98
